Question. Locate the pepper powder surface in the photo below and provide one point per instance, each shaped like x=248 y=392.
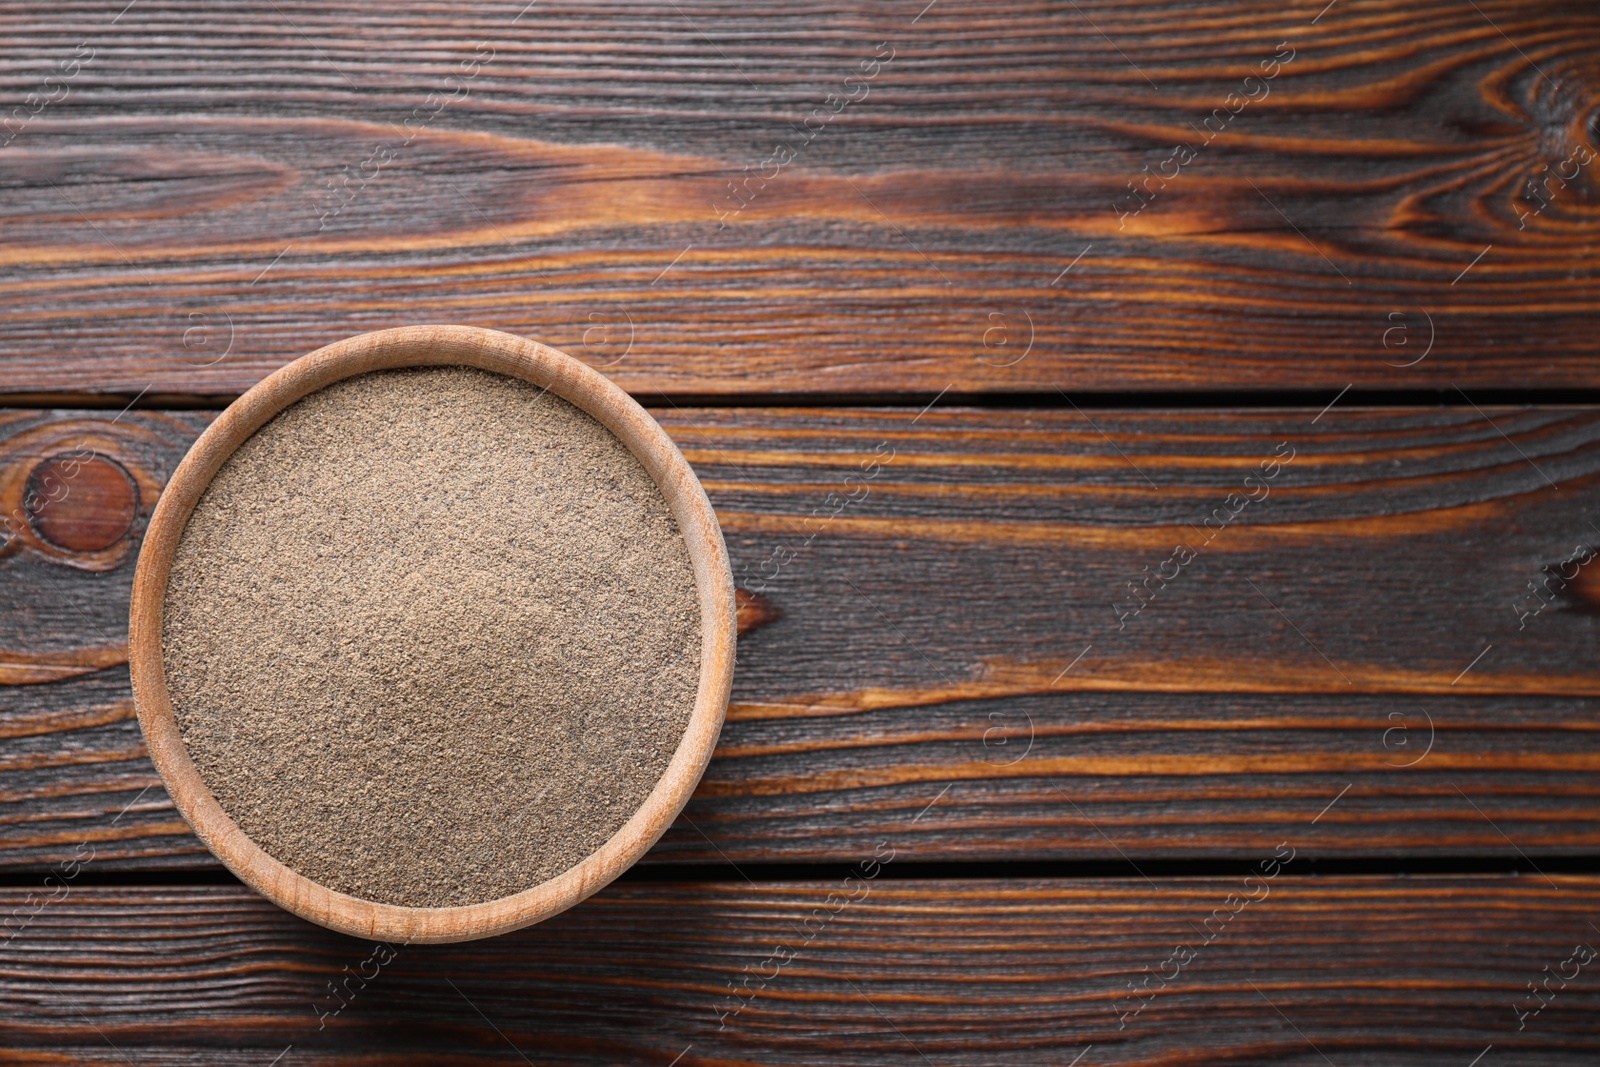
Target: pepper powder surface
x=431 y=636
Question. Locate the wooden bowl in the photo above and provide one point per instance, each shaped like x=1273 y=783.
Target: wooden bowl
x=413 y=347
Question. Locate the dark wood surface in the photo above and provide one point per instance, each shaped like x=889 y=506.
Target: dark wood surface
x=914 y=647
x=169 y=212
x=1370 y=971
x=940 y=660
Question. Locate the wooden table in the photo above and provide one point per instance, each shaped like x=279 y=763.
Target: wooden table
x=1156 y=442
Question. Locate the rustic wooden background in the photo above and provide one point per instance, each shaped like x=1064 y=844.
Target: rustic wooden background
x=952 y=385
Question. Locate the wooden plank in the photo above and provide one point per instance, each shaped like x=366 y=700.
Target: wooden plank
x=1375 y=971
x=1360 y=642
x=708 y=199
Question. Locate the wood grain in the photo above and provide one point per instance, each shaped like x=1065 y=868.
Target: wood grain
x=91 y=520
x=1369 y=971
x=679 y=194
x=1349 y=642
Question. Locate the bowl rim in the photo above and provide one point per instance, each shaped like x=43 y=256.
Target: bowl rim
x=420 y=346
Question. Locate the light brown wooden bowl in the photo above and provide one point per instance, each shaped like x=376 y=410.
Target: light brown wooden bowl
x=412 y=347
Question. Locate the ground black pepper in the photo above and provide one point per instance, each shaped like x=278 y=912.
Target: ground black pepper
x=431 y=636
